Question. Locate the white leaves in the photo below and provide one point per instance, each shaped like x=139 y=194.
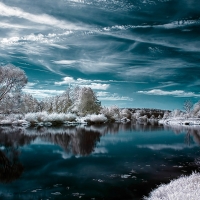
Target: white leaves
x=12 y=79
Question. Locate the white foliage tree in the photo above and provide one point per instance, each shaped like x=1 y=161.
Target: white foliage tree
x=29 y=104
x=84 y=101
x=12 y=79
x=125 y=113
x=58 y=104
x=196 y=109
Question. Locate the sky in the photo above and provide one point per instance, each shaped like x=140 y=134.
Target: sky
x=132 y=53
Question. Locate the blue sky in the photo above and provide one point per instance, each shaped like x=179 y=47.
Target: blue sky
x=137 y=53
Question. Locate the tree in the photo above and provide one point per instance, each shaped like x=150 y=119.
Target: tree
x=188 y=105
x=85 y=101
x=12 y=79
x=29 y=103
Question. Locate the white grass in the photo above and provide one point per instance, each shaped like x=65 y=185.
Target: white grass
x=183 y=188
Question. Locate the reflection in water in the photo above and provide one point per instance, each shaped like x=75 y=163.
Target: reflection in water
x=78 y=140
x=10 y=167
x=133 y=156
x=81 y=143
x=191 y=131
x=10 y=139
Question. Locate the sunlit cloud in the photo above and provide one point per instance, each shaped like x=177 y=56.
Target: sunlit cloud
x=83 y=83
x=176 y=93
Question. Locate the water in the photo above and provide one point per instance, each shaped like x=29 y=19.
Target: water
x=116 y=161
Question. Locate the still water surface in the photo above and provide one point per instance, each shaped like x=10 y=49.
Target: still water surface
x=116 y=161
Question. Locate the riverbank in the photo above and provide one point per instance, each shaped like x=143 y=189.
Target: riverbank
x=180 y=121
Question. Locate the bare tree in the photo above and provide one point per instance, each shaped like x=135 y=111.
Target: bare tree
x=12 y=79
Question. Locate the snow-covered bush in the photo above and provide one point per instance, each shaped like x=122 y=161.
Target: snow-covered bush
x=35 y=117
x=142 y=119
x=185 y=187
x=175 y=113
x=136 y=115
x=166 y=115
x=97 y=119
x=111 y=113
x=53 y=117
x=125 y=113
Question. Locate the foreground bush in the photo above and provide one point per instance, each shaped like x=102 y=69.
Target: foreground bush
x=186 y=187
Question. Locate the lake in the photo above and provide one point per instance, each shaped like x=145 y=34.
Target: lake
x=113 y=161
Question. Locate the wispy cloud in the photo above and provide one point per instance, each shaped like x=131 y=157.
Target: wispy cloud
x=40 y=38
x=176 y=93
x=112 y=97
x=65 y=62
x=44 y=19
x=167 y=84
x=88 y=65
x=16 y=26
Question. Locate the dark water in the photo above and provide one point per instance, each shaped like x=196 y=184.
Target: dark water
x=117 y=161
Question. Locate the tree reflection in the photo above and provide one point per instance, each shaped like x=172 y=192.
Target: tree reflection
x=81 y=143
x=10 y=169
x=10 y=140
x=77 y=140
x=191 y=131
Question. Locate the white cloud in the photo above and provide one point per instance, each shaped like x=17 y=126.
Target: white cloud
x=16 y=26
x=36 y=18
x=47 y=39
x=97 y=86
x=176 y=93
x=83 y=83
x=112 y=97
x=66 y=80
x=41 y=93
x=65 y=62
